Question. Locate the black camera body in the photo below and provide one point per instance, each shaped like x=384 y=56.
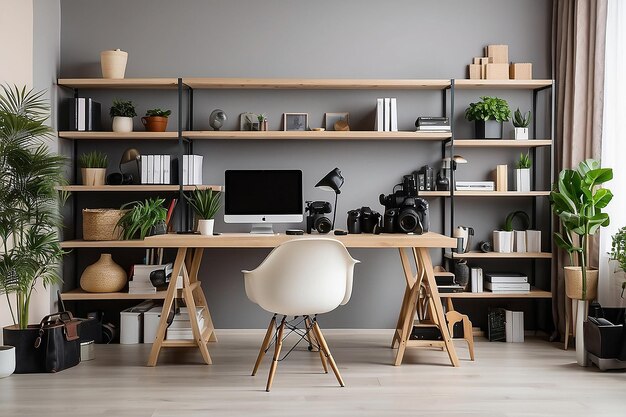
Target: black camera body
x=363 y=220
x=405 y=212
x=316 y=219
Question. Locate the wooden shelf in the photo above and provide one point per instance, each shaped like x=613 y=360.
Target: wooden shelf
x=146 y=188
x=117 y=136
x=315 y=84
x=500 y=143
x=80 y=294
x=128 y=83
x=501 y=84
x=315 y=135
x=100 y=244
x=498 y=255
x=500 y=193
x=534 y=293
x=433 y=193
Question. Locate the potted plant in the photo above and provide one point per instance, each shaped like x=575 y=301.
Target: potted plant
x=113 y=63
x=29 y=212
x=205 y=204
x=262 y=118
x=520 y=124
x=143 y=218
x=617 y=256
x=122 y=113
x=93 y=168
x=155 y=120
x=522 y=173
x=488 y=115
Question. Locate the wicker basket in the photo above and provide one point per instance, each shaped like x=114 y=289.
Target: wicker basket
x=101 y=224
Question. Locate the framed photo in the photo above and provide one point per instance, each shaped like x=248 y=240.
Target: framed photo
x=295 y=121
x=248 y=121
x=331 y=118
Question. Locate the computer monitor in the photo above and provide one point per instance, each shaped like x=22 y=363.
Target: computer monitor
x=263 y=197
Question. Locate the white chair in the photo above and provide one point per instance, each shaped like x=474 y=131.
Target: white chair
x=301 y=278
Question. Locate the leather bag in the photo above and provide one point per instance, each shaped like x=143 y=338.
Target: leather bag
x=59 y=341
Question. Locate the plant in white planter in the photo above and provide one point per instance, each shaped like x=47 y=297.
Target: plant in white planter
x=122 y=113
x=522 y=173
x=520 y=124
x=488 y=115
x=93 y=168
x=205 y=204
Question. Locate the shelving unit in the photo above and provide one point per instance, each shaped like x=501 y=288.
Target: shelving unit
x=118 y=136
x=533 y=294
x=316 y=135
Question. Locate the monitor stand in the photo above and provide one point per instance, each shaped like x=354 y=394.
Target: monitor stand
x=262 y=229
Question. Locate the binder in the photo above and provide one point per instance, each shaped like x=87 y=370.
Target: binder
x=167 y=166
x=150 y=169
x=394 y=115
x=379 y=124
x=387 y=112
x=197 y=169
x=144 y=169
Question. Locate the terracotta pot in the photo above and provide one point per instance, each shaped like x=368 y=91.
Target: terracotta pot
x=93 y=176
x=574 y=283
x=113 y=63
x=103 y=276
x=154 y=123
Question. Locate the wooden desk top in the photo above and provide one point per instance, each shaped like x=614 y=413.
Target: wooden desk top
x=247 y=240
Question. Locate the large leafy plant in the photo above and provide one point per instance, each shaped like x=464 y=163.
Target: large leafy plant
x=205 y=203
x=141 y=217
x=122 y=108
x=29 y=202
x=578 y=200
x=489 y=108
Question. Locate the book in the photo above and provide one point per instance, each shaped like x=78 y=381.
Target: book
x=476 y=279
x=150 y=169
x=505 y=277
x=144 y=169
x=394 y=115
x=197 y=169
x=430 y=121
x=502 y=178
x=185 y=179
x=92 y=115
x=519 y=244
x=508 y=287
x=387 y=114
x=533 y=240
x=142 y=272
x=514 y=326
x=379 y=123
x=432 y=128
x=156 y=176
x=474 y=185
x=167 y=179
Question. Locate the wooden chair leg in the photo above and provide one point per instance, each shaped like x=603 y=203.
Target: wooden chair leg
x=313 y=340
x=324 y=346
x=265 y=344
x=279 y=345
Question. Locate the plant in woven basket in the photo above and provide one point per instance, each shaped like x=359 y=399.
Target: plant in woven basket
x=142 y=218
x=93 y=159
x=29 y=202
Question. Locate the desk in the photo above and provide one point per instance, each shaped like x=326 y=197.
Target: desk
x=419 y=276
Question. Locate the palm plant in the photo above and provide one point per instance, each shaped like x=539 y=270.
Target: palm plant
x=29 y=215
x=138 y=221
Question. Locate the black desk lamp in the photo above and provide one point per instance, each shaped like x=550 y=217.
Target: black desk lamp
x=332 y=182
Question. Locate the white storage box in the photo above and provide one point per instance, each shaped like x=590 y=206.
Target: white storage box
x=131 y=323
x=151 y=323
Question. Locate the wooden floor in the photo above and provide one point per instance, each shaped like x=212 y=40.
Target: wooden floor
x=535 y=378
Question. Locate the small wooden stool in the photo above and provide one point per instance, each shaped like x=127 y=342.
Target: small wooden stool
x=453 y=317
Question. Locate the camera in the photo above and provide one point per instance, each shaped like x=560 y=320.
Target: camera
x=316 y=219
x=405 y=212
x=363 y=220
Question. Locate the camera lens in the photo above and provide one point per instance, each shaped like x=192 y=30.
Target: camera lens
x=407 y=220
x=322 y=225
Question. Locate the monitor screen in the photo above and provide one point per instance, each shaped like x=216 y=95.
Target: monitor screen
x=257 y=196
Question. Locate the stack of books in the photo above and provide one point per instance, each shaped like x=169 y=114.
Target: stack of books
x=84 y=114
x=474 y=185
x=156 y=169
x=432 y=124
x=507 y=282
x=446 y=283
x=140 y=278
x=180 y=329
x=192 y=169
x=386 y=115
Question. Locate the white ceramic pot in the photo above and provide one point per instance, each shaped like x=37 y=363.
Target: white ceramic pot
x=93 y=176
x=7 y=361
x=122 y=124
x=113 y=63
x=521 y=133
x=503 y=241
x=522 y=180
x=205 y=227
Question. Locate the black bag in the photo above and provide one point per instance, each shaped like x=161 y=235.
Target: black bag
x=51 y=346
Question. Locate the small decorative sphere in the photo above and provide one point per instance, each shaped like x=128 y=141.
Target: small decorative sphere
x=217 y=118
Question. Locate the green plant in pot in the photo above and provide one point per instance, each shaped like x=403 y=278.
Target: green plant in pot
x=520 y=124
x=122 y=113
x=205 y=203
x=488 y=115
x=143 y=218
x=578 y=200
x=93 y=168
x=155 y=120
x=522 y=173
x=618 y=254
x=30 y=251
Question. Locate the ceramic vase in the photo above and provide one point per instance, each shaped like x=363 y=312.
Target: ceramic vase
x=522 y=180
x=488 y=129
x=103 y=276
x=93 y=176
x=113 y=63
x=205 y=227
x=122 y=124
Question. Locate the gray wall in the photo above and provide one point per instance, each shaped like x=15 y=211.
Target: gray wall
x=322 y=39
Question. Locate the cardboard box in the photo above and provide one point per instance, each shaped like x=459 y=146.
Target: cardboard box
x=481 y=60
x=521 y=71
x=151 y=323
x=497 y=71
x=131 y=323
x=475 y=71
x=499 y=53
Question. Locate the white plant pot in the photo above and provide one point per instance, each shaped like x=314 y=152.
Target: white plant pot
x=503 y=241
x=521 y=133
x=7 y=361
x=122 y=124
x=522 y=180
x=113 y=63
x=205 y=227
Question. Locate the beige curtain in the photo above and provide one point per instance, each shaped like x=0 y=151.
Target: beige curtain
x=578 y=40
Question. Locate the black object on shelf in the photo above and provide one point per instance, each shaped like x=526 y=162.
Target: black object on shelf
x=496 y=323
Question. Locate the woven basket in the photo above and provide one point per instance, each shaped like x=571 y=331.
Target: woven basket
x=101 y=224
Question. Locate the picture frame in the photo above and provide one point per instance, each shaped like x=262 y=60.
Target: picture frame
x=295 y=122
x=248 y=122
x=331 y=118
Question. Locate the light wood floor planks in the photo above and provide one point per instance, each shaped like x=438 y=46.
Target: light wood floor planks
x=535 y=378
